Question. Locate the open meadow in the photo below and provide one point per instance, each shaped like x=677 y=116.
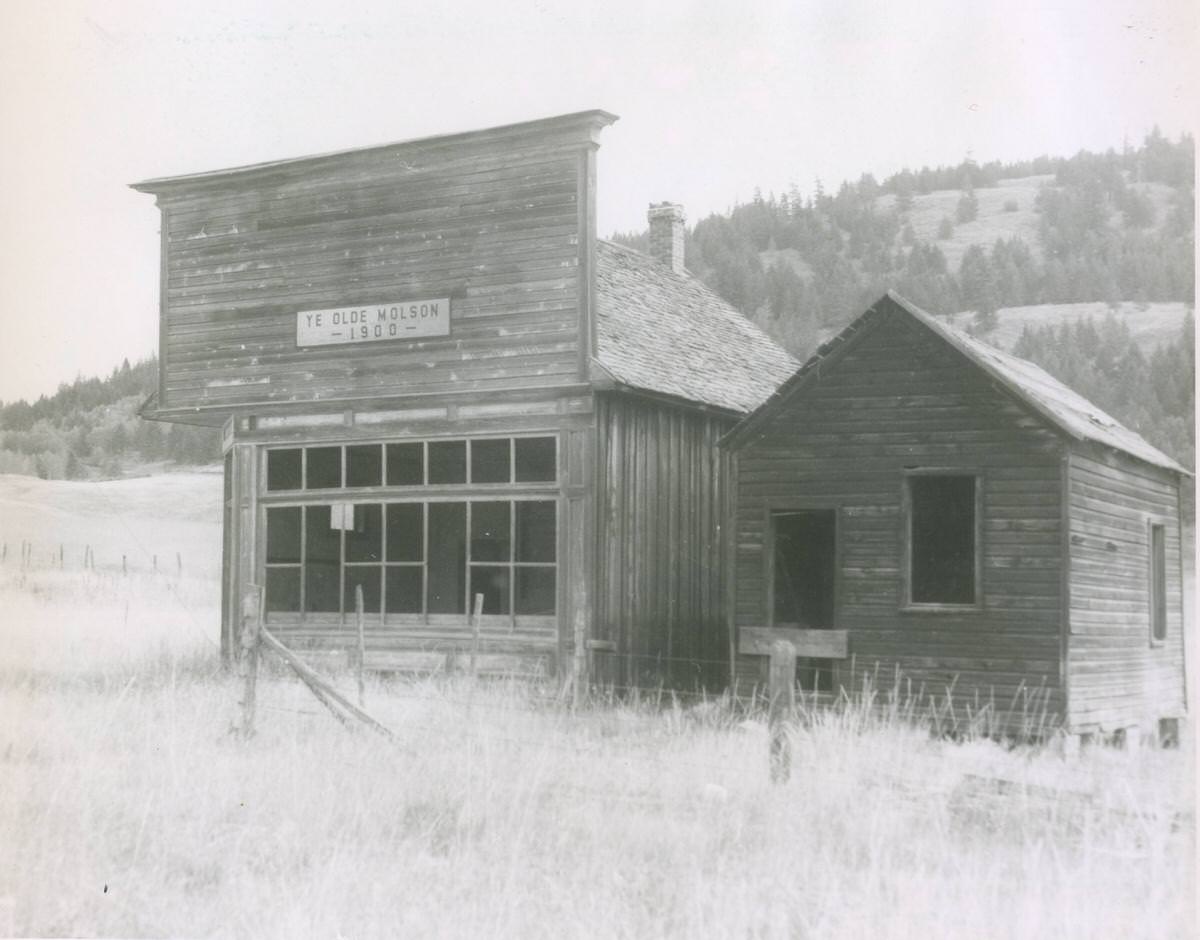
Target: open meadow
x=127 y=808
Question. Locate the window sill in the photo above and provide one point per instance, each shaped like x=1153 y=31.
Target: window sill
x=941 y=609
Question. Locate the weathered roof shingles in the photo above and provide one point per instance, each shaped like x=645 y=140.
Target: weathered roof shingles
x=667 y=333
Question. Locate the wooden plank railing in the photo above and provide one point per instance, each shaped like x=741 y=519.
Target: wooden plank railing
x=810 y=644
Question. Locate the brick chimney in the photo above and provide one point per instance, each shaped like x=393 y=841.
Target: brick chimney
x=666 y=235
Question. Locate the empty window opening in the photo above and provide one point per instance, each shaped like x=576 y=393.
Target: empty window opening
x=805 y=571
x=364 y=465
x=284 y=470
x=491 y=461
x=322 y=468
x=405 y=464
x=1158 y=583
x=448 y=462
x=536 y=459
x=942 y=539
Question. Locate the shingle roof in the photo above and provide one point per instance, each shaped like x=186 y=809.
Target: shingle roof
x=1062 y=408
x=667 y=333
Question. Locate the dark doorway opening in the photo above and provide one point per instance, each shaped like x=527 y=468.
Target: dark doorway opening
x=805 y=570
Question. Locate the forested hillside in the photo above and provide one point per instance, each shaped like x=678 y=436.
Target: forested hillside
x=90 y=428
x=1107 y=227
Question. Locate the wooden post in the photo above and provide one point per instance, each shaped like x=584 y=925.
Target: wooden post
x=362 y=645
x=782 y=684
x=124 y=566
x=476 y=614
x=252 y=604
x=60 y=556
x=579 y=676
x=179 y=564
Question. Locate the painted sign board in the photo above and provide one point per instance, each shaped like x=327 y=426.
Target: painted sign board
x=372 y=323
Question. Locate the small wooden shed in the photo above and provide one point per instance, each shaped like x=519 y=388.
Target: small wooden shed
x=915 y=502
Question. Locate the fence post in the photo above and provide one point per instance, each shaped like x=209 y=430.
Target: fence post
x=124 y=566
x=362 y=644
x=782 y=684
x=179 y=564
x=476 y=614
x=60 y=556
x=579 y=677
x=252 y=603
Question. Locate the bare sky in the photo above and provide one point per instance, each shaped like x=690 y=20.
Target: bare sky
x=714 y=99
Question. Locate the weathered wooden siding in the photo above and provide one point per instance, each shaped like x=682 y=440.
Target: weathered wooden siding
x=1118 y=676
x=900 y=399
x=660 y=485
x=501 y=227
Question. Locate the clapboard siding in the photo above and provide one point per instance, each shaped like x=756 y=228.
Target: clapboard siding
x=660 y=486
x=901 y=400
x=499 y=223
x=1118 y=676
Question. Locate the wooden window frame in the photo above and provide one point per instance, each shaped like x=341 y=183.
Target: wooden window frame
x=907 y=604
x=423 y=487
x=1157 y=607
x=346 y=606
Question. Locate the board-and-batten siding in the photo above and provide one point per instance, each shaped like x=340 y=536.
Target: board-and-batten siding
x=660 y=488
x=1118 y=676
x=498 y=231
x=901 y=400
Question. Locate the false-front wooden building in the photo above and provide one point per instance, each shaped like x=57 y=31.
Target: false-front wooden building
x=914 y=500
x=435 y=382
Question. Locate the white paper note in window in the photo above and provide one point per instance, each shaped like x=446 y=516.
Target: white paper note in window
x=341 y=516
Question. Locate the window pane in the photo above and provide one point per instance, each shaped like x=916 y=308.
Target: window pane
x=492 y=582
x=322 y=549
x=364 y=542
x=283 y=469
x=323 y=467
x=536 y=459
x=367 y=577
x=405 y=464
x=448 y=462
x=283 y=589
x=535 y=531
x=447 y=558
x=404 y=589
x=943 y=539
x=535 y=590
x=283 y=535
x=490 y=461
x=321 y=587
x=322 y=541
x=405 y=532
x=364 y=465
x=490 y=531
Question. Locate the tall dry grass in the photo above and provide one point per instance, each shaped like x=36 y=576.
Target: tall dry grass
x=127 y=810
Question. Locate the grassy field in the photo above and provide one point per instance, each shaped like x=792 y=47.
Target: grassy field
x=126 y=808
